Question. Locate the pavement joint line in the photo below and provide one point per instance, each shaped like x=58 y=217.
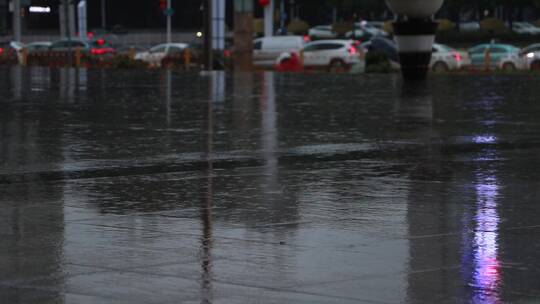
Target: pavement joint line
x=194 y=235
x=55 y=291
x=14 y=283
x=224 y=163
x=371 y=276
x=273 y=289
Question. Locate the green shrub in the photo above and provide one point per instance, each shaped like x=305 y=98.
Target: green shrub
x=493 y=25
x=258 y=26
x=388 y=27
x=378 y=63
x=445 y=25
x=341 y=28
x=298 y=27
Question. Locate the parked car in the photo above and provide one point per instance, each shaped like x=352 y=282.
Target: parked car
x=155 y=55
x=502 y=56
x=531 y=56
x=376 y=28
x=469 y=26
x=70 y=45
x=376 y=24
x=7 y=53
x=322 y=32
x=222 y=59
x=364 y=31
x=97 y=47
x=32 y=47
x=525 y=28
x=333 y=55
x=267 y=49
x=126 y=49
x=384 y=46
x=38 y=46
x=445 y=58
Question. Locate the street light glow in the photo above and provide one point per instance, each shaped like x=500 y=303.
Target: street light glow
x=40 y=9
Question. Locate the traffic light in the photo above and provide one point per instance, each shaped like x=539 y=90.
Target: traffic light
x=264 y=2
x=163 y=4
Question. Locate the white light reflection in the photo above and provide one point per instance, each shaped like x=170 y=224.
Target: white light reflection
x=487 y=266
x=484 y=139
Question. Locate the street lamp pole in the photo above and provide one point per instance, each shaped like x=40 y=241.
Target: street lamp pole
x=169 y=17
x=103 y=15
x=208 y=56
x=65 y=3
x=17 y=20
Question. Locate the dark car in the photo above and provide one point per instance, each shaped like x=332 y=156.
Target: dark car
x=93 y=47
x=382 y=46
x=127 y=49
x=70 y=45
x=221 y=59
x=7 y=53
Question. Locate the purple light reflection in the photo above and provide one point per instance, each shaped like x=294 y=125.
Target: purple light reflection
x=484 y=139
x=487 y=269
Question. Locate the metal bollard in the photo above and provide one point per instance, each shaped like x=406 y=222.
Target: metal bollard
x=24 y=59
x=301 y=59
x=187 y=59
x=487 y=59
x=132 y=54
x=78 y=57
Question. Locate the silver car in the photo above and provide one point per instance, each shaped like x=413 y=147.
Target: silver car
x=531 y=55
x=322 y=32
x=267 y=49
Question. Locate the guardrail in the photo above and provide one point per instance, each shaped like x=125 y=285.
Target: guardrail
x=81 y=58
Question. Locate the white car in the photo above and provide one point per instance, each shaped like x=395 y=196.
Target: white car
x=364 y=31
x=155 y=55
x=531 y=55
x=445 y=58
x=525 y=28
x=322 y=32
x=32 y=47
x=267 y=49
x=499 y=56
x=469 y=26
x=333 y=55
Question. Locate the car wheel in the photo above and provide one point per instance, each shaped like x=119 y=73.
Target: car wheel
x=439 y=67
x=337 y=66
x=509 y=66
x=535 y=65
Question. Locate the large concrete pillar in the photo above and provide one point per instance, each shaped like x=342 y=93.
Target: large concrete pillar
x=218 y=24
x=243 y=35
x=414 y=30
x=269 y=19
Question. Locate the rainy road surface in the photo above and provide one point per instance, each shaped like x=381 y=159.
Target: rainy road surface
x=160 y=187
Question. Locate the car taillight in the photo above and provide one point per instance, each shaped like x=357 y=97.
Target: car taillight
x=457 y=56
x=99 y=51
x=101 y=41
x=353 y=50
x=1 y=51
x=307 y=39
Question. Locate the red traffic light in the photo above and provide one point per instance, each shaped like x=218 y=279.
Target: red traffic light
x=163 y=4
x=264 y=2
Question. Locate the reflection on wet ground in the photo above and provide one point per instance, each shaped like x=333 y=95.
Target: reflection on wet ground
x=158 y=187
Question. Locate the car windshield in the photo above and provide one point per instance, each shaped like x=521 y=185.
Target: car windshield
x=444 y=48
x=531 y=48
x=158 y=49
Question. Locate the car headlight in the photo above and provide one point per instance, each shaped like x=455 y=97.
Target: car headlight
x=530 y=55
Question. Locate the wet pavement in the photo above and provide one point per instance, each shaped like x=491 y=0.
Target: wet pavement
x=163 y=187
